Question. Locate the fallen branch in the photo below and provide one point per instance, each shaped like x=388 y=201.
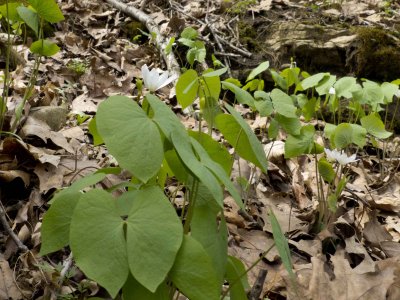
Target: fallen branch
x=161 y=41
x=10 y=232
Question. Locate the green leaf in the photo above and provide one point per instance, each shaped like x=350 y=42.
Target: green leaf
x=187 y=87
x=234 y=269
x=154 y=236
x=313 y=80
x=282 y=245
x=131 y=137
x=44 y=47
x=283 y=104
x=326 y=170
x=97 y=139
x=166 y=120
x=217 y=170
x=210 y=233
x=389 y=90
x=279 y=80
x=258 y=70
x=301 y=144
x=345 y=86
x=263 y=103
x=374 y=126
x=30 y=17
x=359 y=135
x=97 y=240
x=193 y=272
x=343 y=135
x=218 y=72
x=12 y=10
x=189 y=33
x=239 y=134
x=290 y=125
x=273 y=129
x=242 y=96
x=324 y=85
x=184 y=149
x=133 y=290
x=48 y=10
x=215 y=150
x=56 y=221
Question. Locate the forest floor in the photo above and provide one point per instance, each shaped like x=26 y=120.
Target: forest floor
x=102 y=50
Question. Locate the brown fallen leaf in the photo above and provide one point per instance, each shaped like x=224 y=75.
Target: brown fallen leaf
x=8 y=287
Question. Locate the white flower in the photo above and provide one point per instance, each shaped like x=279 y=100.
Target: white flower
x=332 y=91
x=154 y=79
x=340 y=157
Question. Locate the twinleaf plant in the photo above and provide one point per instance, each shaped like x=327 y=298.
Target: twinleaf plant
x=19 y=16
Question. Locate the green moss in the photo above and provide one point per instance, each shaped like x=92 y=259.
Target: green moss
x=378 y=55
x=248 y=35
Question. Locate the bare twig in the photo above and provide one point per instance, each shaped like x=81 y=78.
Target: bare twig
x=257 y=288
x=11 y=233
x=161 y=41
x=66 y=266
x=217 y=40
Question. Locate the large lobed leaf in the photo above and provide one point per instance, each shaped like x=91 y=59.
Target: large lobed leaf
x=131 y=136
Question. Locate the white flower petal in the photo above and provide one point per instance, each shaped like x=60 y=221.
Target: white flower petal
x=332 y=91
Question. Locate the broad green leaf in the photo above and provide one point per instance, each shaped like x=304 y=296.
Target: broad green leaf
x=30 y=17
x=389 y=90
x=235 y=269
x=176 y=166
x=273 y=129
x=97 y=240
x=12 y=10
x=215 y=150
x=301 y=144
x=345 y=86
x=290 y=125
x=279 y=80
x=343 y=135
x=184 y=149
x=48 y=10
x=214 y=73
x=239 y=134
x=97 y=139
x=282 y=245
x=374 y=125
x=283 y=104
x=258 y=70
x=189 y=33
x=44 y=47
x=193 y=272
x=187 y=88
x=163 y=116
x=326 y=170
x=263 y=103
x=242 y=96
x=359 y=135
x=133 y=290
x=210 y=233
x=309 y=108
x=56 y=221
x=313 y=80
x=370 y=94
x=196 y=53
x=291 y=75
x=154 y=236
x=217 y=170
x=131 y=137
x=324 y=85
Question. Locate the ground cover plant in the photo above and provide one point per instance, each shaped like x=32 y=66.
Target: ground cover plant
x=282 y=184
